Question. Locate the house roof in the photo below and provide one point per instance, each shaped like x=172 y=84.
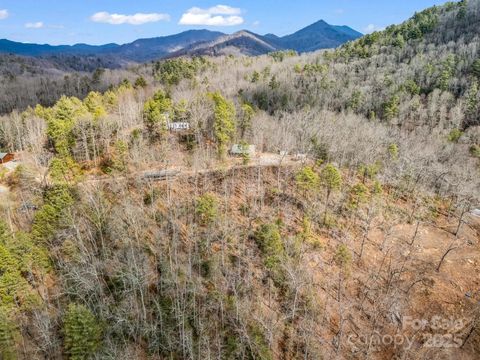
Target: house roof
x=2 y=155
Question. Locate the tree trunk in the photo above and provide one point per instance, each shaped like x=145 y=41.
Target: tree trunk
x=444 y=256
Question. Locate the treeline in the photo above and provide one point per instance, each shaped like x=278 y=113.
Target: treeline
x=27 y=81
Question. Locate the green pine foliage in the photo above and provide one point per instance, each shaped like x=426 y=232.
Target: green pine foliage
x=7 y=338
x=269 y=240
x=64 y=170
x=475 y=150
x=156 y=114
x=61 y=120
x=417 y=27
x=357 y=195
x=171 y=72
x=140 y=82
x=50 y=217
x=83 y=333
x=307 y=179
x=206 y=208
x=224 y=122
x=476 y=68
x=245 y=120
x=455 y=135
x=279 y=56
x=391 y=108
x=393 y=151
x=94 y=103
x=20 y=259
x=330 y=177
x=343 y=256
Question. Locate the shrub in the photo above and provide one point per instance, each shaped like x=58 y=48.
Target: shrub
x=319 y=149
x=455 y=135
x=269 y=241
x=377 y=188
x=7 y=338
x=369 y=171
x=391 y=108
x=343 y=257
x=259 y=346
x=412 y=87
x=357 y=195
x=82 y=332
x=475 y=151
x=476 y=68
x=307 y=179
x=140 y=82
x=207 y=208
x=393 y=151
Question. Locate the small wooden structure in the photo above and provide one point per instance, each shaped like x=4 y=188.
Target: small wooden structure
x=242 y=150
x=300 y=157
x=178 y=126
x=6 y=157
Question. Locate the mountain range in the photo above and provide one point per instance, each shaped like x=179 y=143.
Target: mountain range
x=319 y=35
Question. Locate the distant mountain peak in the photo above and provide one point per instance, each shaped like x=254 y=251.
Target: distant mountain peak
x=319 y=35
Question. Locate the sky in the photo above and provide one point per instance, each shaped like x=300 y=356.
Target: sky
x=121 y=21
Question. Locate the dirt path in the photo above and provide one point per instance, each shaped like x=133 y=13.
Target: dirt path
x=161 y=173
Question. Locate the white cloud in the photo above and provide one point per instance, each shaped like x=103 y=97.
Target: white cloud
x=136 y=19
x=220 y=15
x=372 y=28
x=35 y=25
x=339 y=11
x=3 y=14
x=256 y=23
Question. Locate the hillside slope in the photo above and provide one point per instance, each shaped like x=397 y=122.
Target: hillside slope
x=349 y=233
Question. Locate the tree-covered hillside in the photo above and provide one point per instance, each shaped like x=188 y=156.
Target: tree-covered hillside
x=350 y=225
x=424 y=72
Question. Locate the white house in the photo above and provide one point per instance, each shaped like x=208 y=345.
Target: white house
x=240 y=149
x=178 y=126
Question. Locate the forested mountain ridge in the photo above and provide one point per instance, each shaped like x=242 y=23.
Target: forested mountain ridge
x=396 y=75
x=32 y=73
x=319 y=36
x=435 y=53
x=349 y=234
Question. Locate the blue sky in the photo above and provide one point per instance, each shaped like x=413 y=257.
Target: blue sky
x=121 y=21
